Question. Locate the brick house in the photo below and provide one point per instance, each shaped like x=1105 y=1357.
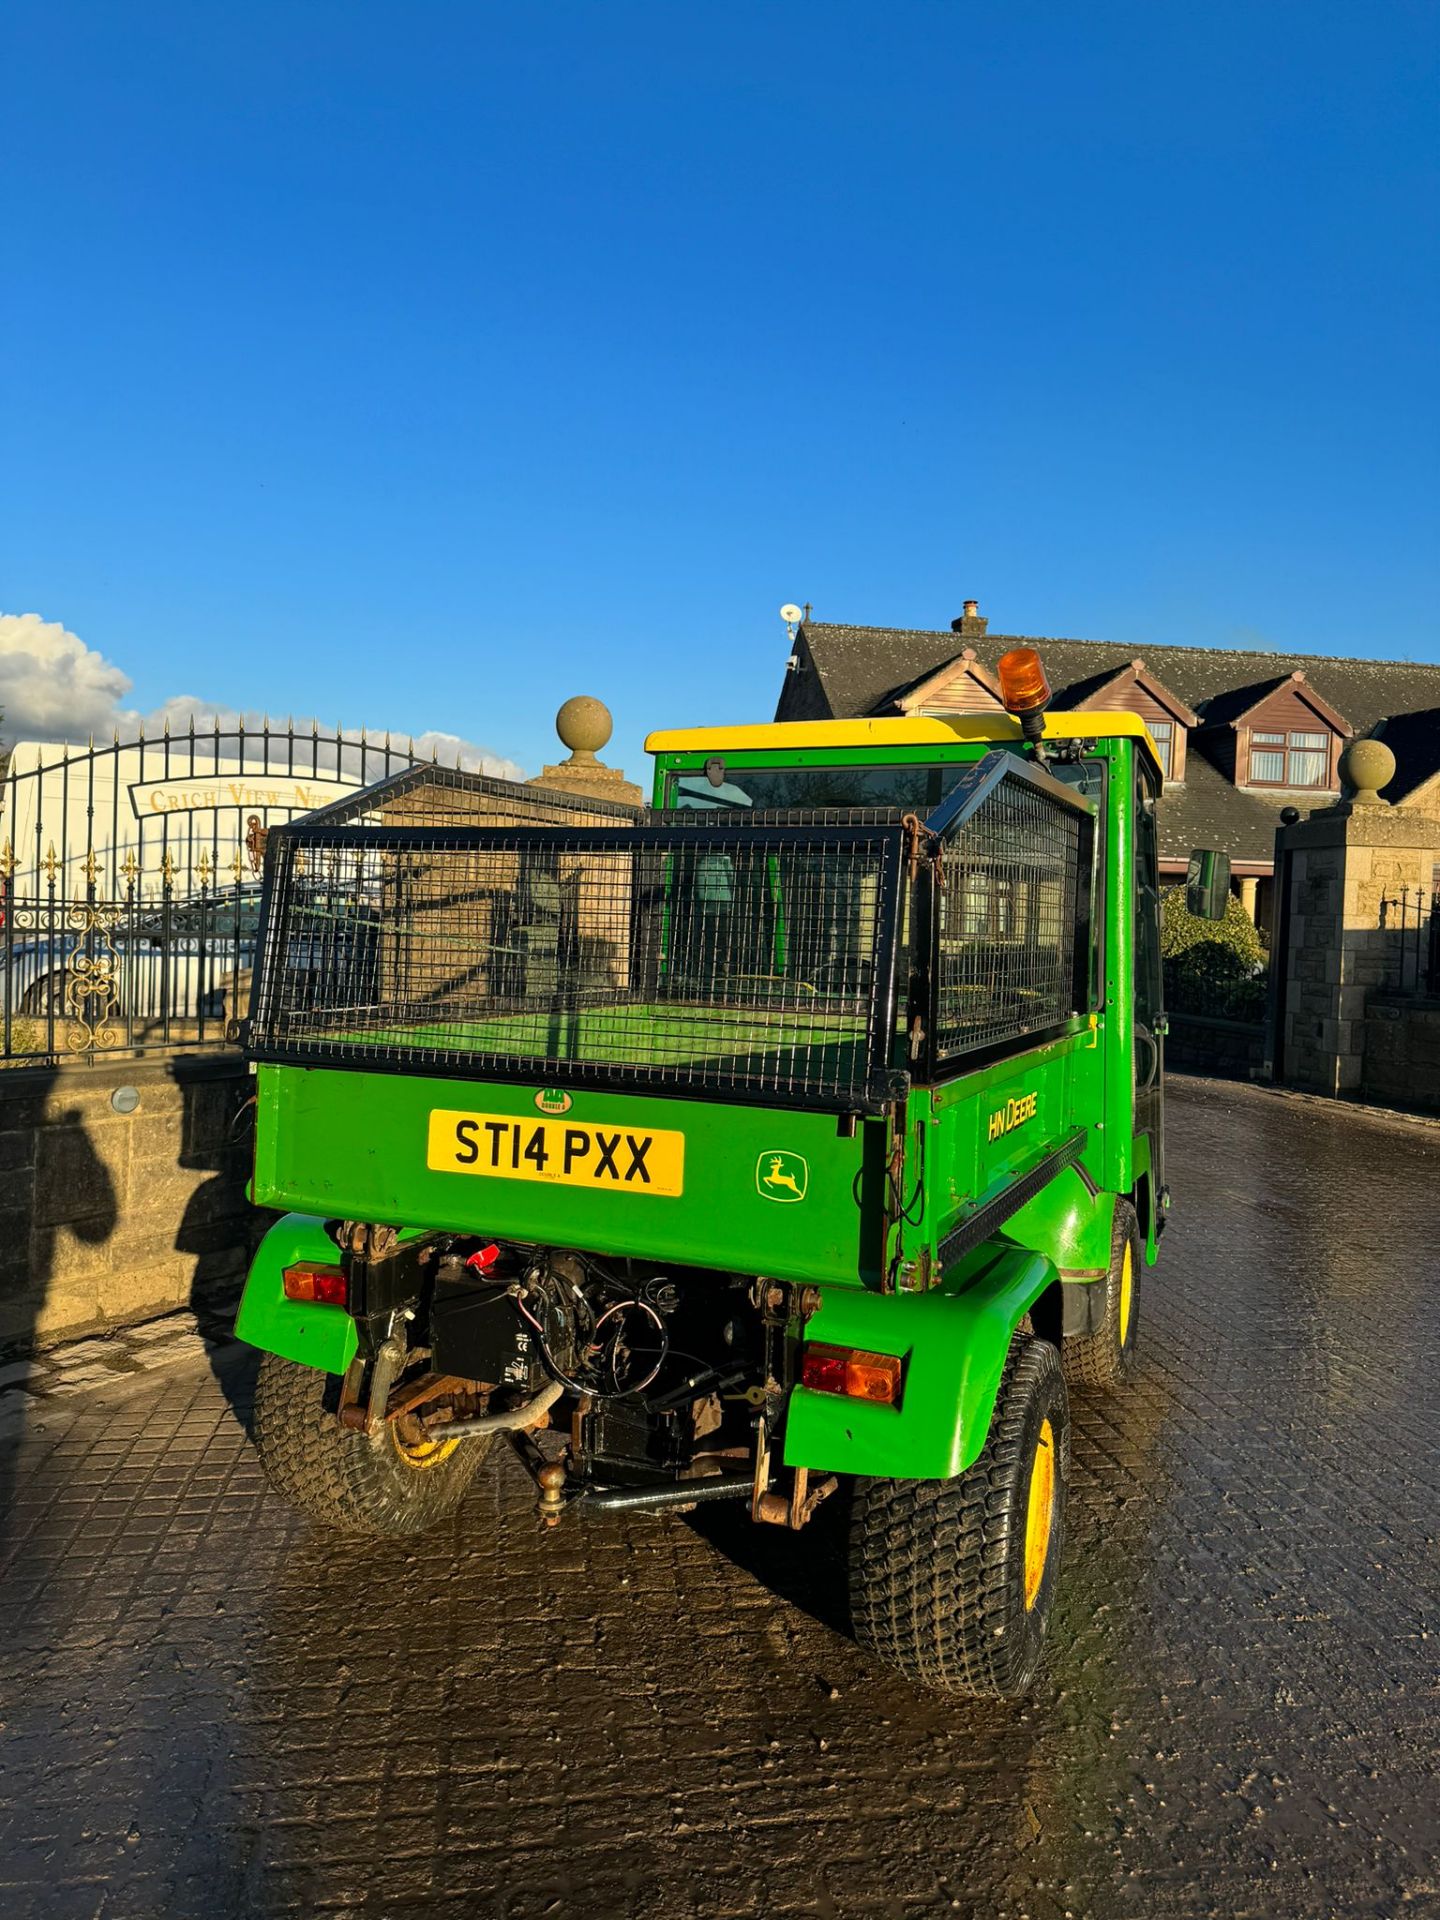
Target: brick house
x=1242 y=735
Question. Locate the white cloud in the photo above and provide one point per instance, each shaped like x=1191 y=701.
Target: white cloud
x=182 y=708
x=54 y=687
x=446 y=747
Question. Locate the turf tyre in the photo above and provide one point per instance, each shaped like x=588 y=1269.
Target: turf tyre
x=938 y=1582
x=350 y=1482
x=1105 y=1358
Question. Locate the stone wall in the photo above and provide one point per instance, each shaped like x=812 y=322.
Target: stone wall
x=107 y=1216
x=1402 y=1052
x=1343 y=861
x=1228 y=1049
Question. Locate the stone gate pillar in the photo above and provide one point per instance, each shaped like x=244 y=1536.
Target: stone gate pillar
x=584 y=725
x=1337 y=866
x=598 y=885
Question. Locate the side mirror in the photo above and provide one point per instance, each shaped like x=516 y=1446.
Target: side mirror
x=1207 y=884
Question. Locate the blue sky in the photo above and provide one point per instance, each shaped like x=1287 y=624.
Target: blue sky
x=421 y=365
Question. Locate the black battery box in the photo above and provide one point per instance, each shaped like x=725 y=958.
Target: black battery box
x=477 y=1332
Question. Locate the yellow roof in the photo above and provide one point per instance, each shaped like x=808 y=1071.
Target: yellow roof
x=919 y=731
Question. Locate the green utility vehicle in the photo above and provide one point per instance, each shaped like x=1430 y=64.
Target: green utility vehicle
x=798 y=1137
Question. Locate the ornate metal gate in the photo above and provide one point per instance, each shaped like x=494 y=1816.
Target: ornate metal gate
x=130 y=878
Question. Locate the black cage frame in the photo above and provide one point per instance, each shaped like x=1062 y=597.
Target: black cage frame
x=907 y=866
x=997 y=776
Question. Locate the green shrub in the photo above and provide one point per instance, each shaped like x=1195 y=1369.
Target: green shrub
x=1180 y=930
x=1214 y=967
x=27 y=1043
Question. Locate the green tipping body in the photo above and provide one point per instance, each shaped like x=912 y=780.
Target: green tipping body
x=347 y=1145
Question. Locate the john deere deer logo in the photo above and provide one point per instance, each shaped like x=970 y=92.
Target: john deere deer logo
x=781 y=1176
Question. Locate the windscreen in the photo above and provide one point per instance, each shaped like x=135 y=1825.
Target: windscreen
x=915 y=789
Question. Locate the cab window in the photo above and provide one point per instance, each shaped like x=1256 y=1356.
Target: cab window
x=916 y=789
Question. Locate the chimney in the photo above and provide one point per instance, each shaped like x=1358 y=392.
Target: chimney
x=970 y=623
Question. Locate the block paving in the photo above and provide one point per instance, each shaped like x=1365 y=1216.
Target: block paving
x=212 y=1710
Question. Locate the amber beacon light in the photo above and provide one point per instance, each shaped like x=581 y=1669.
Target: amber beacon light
x=1024 y=689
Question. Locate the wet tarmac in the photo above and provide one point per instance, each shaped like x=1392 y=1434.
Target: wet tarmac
x=210 y=1710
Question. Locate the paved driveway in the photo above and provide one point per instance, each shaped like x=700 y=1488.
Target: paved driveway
x=212 y=1711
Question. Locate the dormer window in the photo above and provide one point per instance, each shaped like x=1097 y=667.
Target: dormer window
x=1281 y=735
x=961 y=685
x=1133 y=689
x=1290 y=759
x=1277 y=735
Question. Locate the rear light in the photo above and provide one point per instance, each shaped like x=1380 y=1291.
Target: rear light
x=309 y=1280
x=849 y=1370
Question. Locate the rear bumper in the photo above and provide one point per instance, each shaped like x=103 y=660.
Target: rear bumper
x=356 y=1146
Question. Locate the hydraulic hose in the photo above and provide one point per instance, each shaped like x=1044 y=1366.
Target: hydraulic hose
x=511 y=1421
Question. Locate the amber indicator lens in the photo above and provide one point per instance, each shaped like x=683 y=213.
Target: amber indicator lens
x=851 y=1371
x=1023 y=686
x=308 y=1280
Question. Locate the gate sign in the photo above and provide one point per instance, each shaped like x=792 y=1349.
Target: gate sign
x=253 y=791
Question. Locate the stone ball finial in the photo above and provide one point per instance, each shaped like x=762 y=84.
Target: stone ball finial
x=1366 y=766
x=584 y=725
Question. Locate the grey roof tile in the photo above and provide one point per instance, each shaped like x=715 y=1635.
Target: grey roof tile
x=860 y=669
x=848 y=671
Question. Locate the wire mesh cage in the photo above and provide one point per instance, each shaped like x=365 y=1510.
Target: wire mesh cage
x=1011 y=908
x=781 y=817
x=676 y=958
x=783 y=957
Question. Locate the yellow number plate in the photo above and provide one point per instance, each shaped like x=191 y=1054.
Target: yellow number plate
x=612 y=1159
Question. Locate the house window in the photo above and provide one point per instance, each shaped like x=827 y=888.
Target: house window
x=1162 y=732
x=1289 y=759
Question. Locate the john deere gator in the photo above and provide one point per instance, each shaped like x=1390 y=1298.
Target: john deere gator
x=796 y=1139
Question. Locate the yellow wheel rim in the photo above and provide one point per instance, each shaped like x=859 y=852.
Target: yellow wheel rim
x=1039 y=1513
x=1127 y=1290
x=422 y=1454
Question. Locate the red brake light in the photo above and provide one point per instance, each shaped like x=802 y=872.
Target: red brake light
x=851 y=1371
x=823 y=1368
x=311 y=1280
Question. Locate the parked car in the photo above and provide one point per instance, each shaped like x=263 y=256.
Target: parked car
x=176 y=959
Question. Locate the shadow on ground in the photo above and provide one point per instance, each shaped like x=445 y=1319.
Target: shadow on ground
x=805 y=1570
